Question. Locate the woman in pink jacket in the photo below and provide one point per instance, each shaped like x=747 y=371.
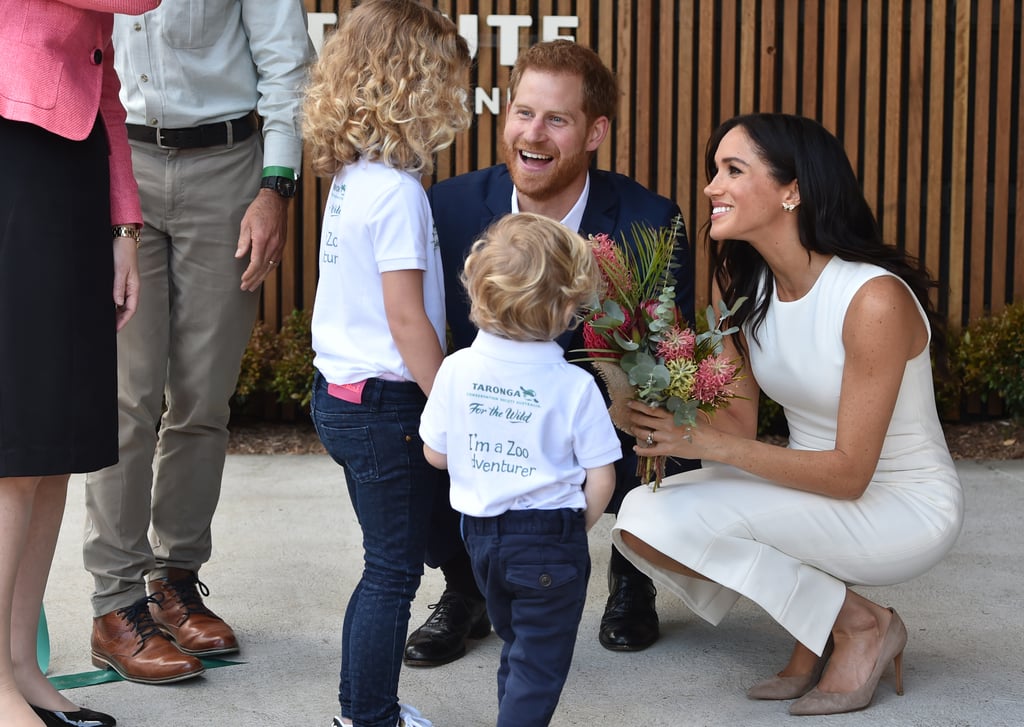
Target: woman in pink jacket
x=69 y=221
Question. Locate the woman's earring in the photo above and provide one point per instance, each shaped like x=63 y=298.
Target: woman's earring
x=788 y=206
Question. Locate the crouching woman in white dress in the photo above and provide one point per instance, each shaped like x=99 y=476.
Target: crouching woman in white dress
x=836 y=329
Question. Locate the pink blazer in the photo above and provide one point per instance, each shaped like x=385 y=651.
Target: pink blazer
x=59 y=72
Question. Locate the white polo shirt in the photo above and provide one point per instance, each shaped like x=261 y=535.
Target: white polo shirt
x=519 y=425
x=376 y=219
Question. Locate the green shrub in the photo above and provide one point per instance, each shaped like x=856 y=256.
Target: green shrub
x=771 y=420
x=279 y=362
x=255 y=370
x=989 y=358
x=292 y=370
x=949 y=387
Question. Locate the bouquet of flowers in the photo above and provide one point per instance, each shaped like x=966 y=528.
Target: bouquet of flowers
x=640 y=345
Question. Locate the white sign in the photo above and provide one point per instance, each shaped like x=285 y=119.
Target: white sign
x=508 y=27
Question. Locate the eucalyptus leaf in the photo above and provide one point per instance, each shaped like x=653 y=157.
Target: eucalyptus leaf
x=613 y=309
x=637 y=358
x=605 y=323
x=686 y=413
x=623 y=342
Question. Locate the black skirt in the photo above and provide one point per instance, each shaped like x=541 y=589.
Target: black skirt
x=58 y=364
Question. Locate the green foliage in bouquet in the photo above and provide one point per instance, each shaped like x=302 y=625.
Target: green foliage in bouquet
x=279 y=362
x=989 y=358
x=641 y=347
x=638 y=341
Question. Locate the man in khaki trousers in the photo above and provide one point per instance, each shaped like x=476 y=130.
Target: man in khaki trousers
x=212 y=94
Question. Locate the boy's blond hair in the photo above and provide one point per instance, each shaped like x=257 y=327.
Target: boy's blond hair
x=389 y=86
x=524 y=274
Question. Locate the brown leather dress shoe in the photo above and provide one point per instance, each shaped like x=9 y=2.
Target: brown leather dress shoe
x=178 y=609
x=127 y=641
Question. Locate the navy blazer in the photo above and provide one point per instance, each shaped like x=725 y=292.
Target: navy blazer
x=464 y=206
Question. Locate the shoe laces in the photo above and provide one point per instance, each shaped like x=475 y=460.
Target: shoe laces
x=444 y=606
x=187 y=591
x=138 y=616
x=409 y=716
x=627 y=596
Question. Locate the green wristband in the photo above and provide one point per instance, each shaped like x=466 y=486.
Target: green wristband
x=286 y=172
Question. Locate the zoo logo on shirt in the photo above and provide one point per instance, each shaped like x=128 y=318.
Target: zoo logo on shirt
x=503 y=402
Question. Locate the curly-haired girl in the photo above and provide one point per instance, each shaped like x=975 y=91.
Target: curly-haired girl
x=387 y=93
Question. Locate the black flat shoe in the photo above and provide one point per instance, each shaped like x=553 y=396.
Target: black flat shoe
x=630 y=621
x=442 y=637
x=82 y=718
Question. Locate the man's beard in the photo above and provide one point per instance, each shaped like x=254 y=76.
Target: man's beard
x=560 y=174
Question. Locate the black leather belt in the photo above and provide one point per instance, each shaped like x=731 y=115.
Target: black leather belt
x=219 y=134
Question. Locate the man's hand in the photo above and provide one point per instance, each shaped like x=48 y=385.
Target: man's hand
x=262 y=237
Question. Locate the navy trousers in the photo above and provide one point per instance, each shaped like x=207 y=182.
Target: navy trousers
x=532 y=567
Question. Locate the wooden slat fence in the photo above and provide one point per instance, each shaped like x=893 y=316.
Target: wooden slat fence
x=925 y=95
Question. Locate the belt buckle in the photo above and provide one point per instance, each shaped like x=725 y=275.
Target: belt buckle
x=160 y=142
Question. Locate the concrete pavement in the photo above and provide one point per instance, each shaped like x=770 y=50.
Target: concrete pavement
x=287 y=554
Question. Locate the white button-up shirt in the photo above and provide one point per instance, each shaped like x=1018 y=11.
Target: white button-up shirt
x=185 y=64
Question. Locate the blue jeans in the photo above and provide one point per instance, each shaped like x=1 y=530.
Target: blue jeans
x=532 y=567
x=392 y=488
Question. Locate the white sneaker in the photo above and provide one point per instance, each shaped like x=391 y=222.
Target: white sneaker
x=410 y=717
x=336 y=722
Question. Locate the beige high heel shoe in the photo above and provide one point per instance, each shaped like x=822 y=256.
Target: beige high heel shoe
x=819 y=702
x=778 y=687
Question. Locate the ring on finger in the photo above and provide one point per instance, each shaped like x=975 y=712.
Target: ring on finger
x=271 y=263
x=688 y=436
x=650 y=439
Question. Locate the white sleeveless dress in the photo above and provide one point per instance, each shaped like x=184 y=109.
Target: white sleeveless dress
x=794 y=552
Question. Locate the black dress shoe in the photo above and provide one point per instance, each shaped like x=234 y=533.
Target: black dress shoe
x=442 y=637
x=630 y=622
x=82 y=718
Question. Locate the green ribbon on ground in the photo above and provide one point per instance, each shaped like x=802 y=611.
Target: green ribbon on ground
x=105 y=676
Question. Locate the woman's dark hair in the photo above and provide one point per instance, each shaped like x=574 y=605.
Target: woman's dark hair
x=833 y=217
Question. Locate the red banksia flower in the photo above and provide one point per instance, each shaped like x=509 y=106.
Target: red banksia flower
x=614 y=270
x=711 y=382
x=597 y=345
x=677 y=343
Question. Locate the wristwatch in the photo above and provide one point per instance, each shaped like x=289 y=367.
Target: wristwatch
x=282 y=185
x=279 y=179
